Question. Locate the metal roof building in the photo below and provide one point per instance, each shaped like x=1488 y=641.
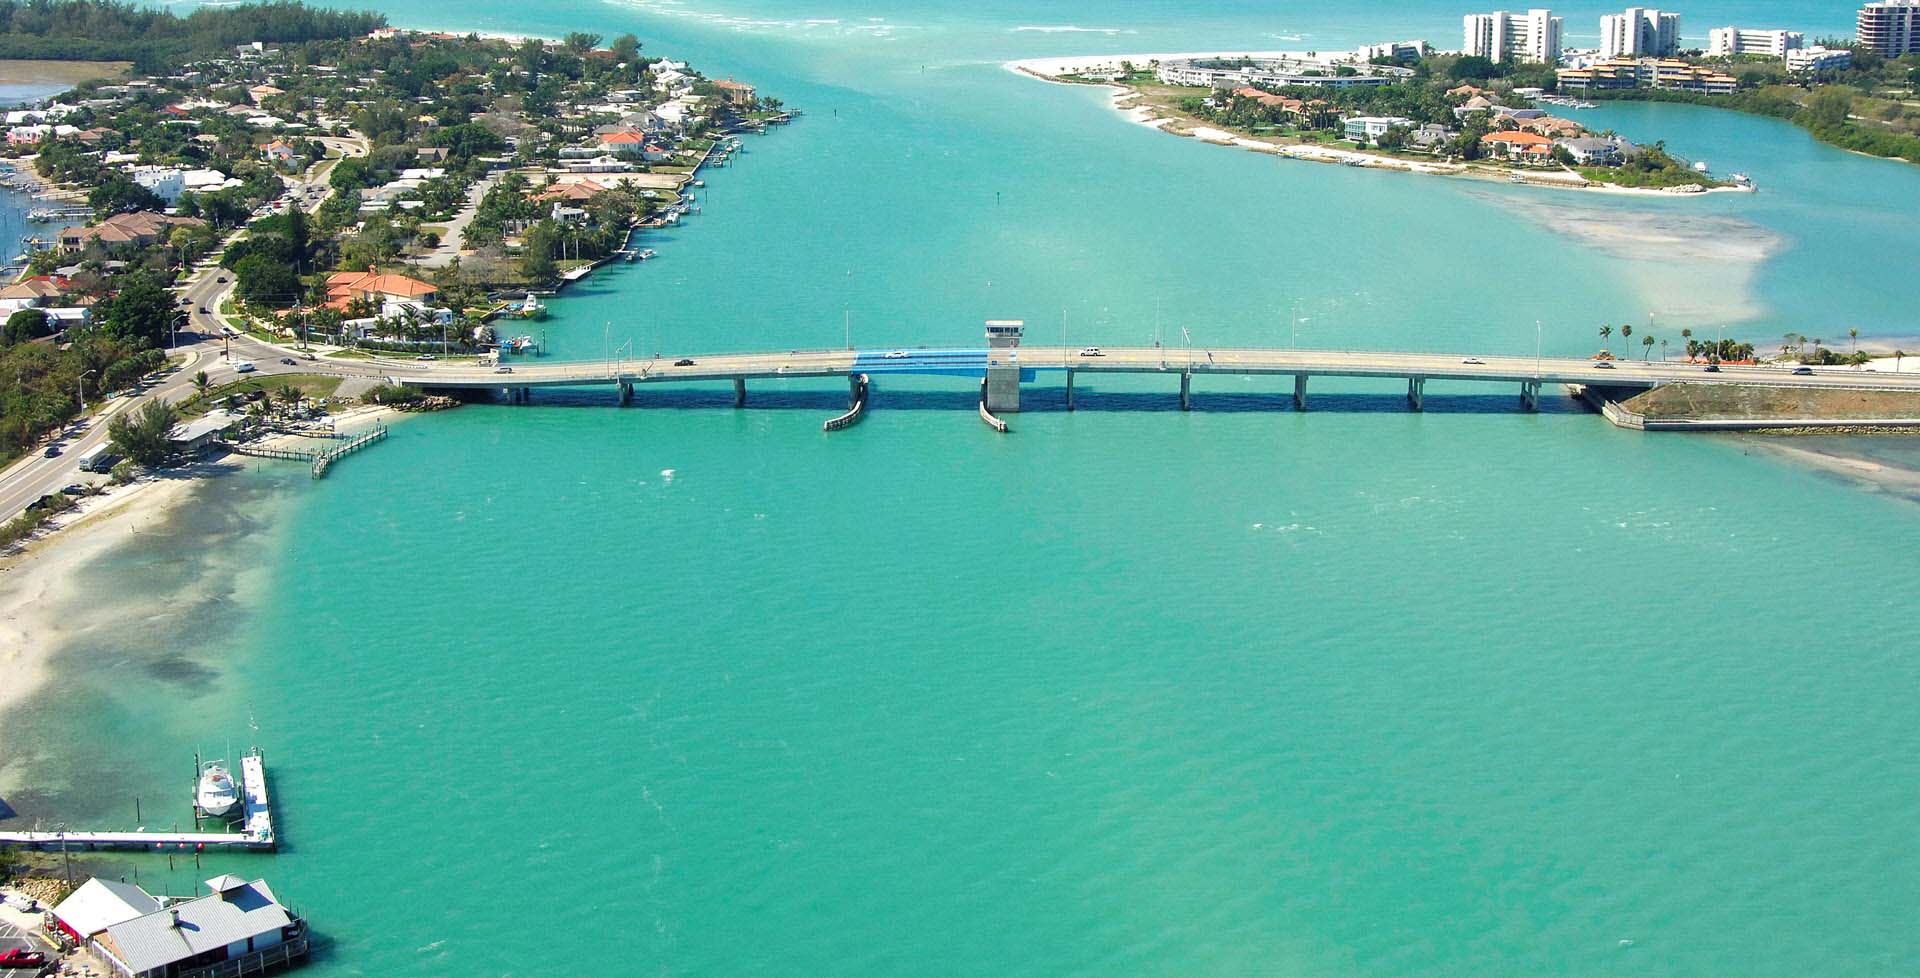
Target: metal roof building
x=237 y=919
x=99 y=904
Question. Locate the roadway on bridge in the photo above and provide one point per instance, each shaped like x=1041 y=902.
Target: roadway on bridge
x=972 y=362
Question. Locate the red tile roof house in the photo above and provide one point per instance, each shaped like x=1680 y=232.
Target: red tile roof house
x=1520 y=146
x=624 y=141
x=376 y=287
x=140 y=228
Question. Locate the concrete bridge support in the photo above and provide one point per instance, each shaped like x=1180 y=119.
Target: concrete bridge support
x=856 y=389
x=1417 y=393
x=1530 y=395
x=626 y=393
x=1299 y=392
x=739 y=392
x=1069 y=388
x=1186 y=390
x=518 y=395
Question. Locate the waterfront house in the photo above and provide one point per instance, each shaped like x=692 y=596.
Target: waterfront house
x=1429 y=137
x=737 y=94
x=240 y=924
x=138 y=228
x=1363 y=128
x=1593 y=150
x=1512 y=144
x=37 y=292
x=377 y=287
x=99 y=904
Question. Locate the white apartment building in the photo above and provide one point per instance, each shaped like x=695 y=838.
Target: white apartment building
x=1501 y=36
x=1819 y=58
x=1639 y=32
x=1725 y=42
x=1891 y=27
x=166 y=182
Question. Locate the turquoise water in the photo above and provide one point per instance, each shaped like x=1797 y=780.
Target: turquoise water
x=1131 y=691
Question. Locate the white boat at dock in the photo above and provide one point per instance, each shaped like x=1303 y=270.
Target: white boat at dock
x=646 y=253
x=530 y=308
x=216 y=794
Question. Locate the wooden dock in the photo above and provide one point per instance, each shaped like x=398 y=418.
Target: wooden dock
x=320 y=460
x=256 y=826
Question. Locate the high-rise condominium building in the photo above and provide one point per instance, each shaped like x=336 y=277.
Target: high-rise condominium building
x=1891 y=27
x=1639 y=31
x=1503 y=36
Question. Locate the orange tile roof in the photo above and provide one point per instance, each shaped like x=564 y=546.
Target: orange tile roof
x=1515 y=138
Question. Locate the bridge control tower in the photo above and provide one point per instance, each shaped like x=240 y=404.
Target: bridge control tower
x=1003 y=364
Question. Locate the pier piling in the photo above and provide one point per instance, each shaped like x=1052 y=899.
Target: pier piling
x=739 y=392
x=1417 y=393
x=1186 y=390
x=1069 y=388
x=1299 y=392
x=1530 y=395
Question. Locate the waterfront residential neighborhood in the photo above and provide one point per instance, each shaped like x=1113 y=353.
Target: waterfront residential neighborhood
x=1485 y=110
x=526 y=454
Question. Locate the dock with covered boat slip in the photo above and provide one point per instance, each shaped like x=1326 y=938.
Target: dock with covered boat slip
x=256 y=826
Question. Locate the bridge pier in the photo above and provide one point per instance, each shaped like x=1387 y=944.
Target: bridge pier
x=739 y=392
x=1069 y=388
x=856 y=388
x=626 y=393
x=1417 y=393
x=1299 y=392
x=1529 y=395
x=1186 y=390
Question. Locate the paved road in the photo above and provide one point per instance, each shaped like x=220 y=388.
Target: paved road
x=1329 y=363
x=456 y=235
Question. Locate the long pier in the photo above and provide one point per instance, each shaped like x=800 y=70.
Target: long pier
x=1525 y=375
x=256 y=826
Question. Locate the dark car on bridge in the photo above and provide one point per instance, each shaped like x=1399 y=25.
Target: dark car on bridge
x=683 y=363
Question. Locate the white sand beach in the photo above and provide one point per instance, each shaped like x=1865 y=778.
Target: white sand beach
x=40 y=579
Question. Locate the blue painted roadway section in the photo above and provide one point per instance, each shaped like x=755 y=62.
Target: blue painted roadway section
x=955 y=362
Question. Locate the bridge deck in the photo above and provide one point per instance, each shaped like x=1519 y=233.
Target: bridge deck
x=973 y=363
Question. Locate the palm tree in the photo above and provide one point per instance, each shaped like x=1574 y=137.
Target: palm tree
x=1897 y=355
x=1626 y=333
x=1647 y=343
x=1854 y=335
x=200 y=382
x=1605 y=331
x=1663 y=351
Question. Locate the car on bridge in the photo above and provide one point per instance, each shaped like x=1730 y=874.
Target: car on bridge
x=1803 y=371
x=1473 y=361
x=1603 y=364
x=1091 y=351
x=896 y=355
x=503 y=369
x=683 y=362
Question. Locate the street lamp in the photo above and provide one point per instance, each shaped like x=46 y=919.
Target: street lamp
x=83 y=389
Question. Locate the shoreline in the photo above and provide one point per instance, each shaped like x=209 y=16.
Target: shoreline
x=38 y=579
x=1049 y=69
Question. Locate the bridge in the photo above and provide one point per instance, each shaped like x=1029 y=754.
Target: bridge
x=1525 y=375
